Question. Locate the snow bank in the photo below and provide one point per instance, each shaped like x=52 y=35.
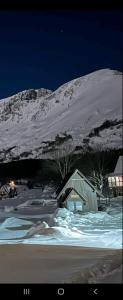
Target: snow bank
x=100 y=230
x=6 y=234
x=8 y=208
x=88 y=221
x=14 y=222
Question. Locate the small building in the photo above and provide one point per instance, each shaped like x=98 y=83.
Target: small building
x=8 y=190
x=115 y=179
x=4 y=191
x=79 y=194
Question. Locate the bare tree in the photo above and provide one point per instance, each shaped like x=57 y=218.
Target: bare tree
x=63 y=159
x=97 y=177
x=98 y=167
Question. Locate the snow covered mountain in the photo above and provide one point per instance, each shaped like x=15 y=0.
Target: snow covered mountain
x=83 y=112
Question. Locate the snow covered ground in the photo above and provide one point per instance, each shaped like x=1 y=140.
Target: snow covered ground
x=45 y=224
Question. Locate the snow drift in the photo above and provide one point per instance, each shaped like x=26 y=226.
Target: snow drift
x=101 y=230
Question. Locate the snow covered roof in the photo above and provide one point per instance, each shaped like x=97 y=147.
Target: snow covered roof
x=64 y=183
x=89 y=183
x=4 y=189
x=119 y=166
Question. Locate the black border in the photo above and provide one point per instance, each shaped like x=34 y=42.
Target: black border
x=61 y=5
x=42 y=291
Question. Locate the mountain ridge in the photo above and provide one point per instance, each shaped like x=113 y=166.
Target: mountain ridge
x=35 y=121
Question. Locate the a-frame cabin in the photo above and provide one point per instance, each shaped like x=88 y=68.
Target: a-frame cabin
x=79 y=194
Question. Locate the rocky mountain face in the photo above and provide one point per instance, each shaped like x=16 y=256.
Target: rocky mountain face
x=14 y=107
x=82 y=113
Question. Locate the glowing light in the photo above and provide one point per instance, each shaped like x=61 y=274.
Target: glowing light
x=12 y=184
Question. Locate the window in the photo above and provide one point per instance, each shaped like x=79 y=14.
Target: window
x=119 y=181
x=70 y=205
x=79 y=206
x=111 y=181
x=75 y=205
x=115 y=181
x=75 y=196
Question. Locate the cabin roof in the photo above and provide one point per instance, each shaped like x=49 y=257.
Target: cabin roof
x=64 y=183
x=118 y=168
x=4 y=188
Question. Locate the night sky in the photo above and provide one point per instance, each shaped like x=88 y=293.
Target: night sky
x=49 y=48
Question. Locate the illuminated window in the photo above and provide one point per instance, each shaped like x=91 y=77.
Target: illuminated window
x=115 y=181
x=74 y=196
x=111 y=181
x=119 y=181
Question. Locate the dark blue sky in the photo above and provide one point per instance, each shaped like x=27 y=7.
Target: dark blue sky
x=48 y=48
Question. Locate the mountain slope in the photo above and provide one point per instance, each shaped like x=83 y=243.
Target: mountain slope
x=33 y=121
